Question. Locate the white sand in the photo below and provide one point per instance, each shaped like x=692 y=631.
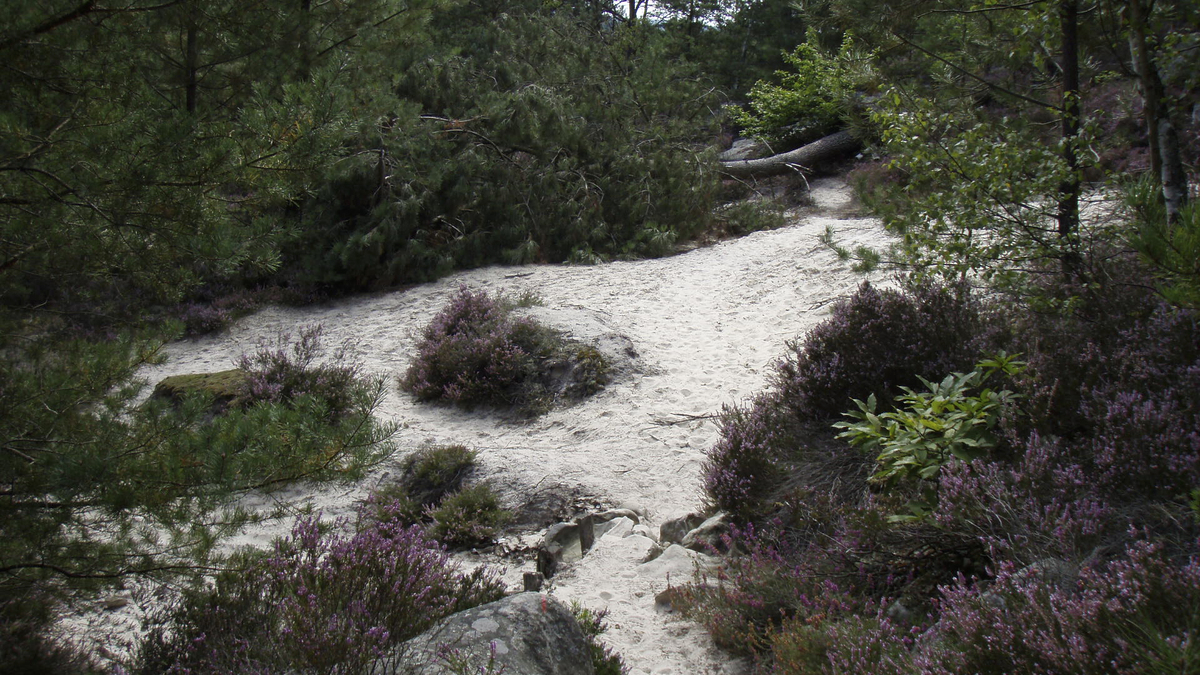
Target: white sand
x=706 y=326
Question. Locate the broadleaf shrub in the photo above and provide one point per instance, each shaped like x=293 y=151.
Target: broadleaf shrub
x=952 y=420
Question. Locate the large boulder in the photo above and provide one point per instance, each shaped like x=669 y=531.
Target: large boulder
x=525 y=634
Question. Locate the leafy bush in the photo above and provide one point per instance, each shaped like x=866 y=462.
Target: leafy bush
x=812 y=100
x=932 y=429
x=319 y=602
x=474 y=351
x=878 y=341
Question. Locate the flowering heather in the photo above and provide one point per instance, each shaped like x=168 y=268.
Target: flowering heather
x=877 y=341
x=746 y=465
x=475 y=352
x=284 y=370
x=1042 y=504
x=320 y=602
x=1137 y=614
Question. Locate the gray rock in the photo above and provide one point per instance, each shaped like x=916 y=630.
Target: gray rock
x=673 y=531
x=707 y=536
x=526 y=634
x=560 y=545
x=899 y=613
x=615 y=528
x=611 y=514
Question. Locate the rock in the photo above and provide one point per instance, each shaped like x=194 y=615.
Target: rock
x=673 y=531
x=675 y=565
x=115 y=602
x=615 y=528
x=707 y=536
x=560 y=545
x=611 y=514
x=527 y=633
x=645 y=531
x=226 y=388
x=533 y=581
x=1053 y=572
x=899 y=613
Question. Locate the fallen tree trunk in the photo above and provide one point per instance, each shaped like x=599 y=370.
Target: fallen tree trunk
x=800 y=159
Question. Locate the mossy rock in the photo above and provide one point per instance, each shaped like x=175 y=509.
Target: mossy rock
x=225 y=388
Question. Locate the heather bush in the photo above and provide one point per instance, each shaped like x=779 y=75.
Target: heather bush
x=285 y=370
x=475 y=352
x=771 y=583
x=320 y=601
x=604 y=660
x=1135 y=614
x=746 y=466
x=877 y=341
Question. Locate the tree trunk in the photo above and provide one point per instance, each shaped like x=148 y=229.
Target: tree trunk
x=191 y=65
x=801 y=159
x=1148 y=80
x=1174 y=179
x=1068 y=191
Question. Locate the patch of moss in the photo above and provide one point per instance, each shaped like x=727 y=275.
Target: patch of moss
x=225 y=388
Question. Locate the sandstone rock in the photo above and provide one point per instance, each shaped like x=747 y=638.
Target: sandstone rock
x=707 y=536
x=611 y=514
x=526 y=633
x=673 y=531
x=616 y=528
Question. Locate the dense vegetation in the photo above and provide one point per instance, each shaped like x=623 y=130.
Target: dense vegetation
x=992 y=468
x=1014 y=487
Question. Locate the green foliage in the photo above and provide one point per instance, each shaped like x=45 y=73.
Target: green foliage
x=516 y=136
x=470 y=517
x=978 y=194
x=143 y=146
x=1172 y=248
x=952 y=420
x=433 y=472
x=101 y=487
x=814 y=98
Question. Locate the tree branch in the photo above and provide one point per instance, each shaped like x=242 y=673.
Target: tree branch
x=990 y=85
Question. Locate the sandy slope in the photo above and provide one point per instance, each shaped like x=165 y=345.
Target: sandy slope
x=705 y=327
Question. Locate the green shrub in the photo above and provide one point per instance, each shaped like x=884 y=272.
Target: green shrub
x=470 y=517
x=931 y=428
x=431 y=473
x=813 y=99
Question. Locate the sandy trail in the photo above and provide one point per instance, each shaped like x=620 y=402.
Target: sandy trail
x=705 y=325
